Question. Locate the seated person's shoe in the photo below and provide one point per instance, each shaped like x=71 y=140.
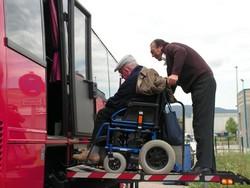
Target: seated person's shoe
x=201 y=170
x=93 y=157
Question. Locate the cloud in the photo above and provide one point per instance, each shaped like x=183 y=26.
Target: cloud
x=218 y=30
x=216 y=63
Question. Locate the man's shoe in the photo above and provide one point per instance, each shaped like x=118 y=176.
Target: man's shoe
x=93 y=157
x=201 y=170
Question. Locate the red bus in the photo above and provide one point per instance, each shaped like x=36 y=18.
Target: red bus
x=48 y=95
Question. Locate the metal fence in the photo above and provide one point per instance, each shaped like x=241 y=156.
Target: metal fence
x=227 y=144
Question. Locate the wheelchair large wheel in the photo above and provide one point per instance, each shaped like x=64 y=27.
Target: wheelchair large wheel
x=157 y=157
x=116 y=164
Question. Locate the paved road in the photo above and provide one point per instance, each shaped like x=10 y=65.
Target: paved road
x=158 y=185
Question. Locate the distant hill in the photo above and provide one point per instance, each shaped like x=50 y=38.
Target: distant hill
x=188 y=110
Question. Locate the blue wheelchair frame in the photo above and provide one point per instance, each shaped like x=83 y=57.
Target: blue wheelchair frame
x=127 y=126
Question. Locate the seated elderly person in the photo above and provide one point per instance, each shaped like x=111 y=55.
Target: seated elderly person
x=129 y=70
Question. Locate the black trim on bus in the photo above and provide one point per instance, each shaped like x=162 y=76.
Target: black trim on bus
x=65 y=100
x=71 y=58
x=43 y=33
x=22 y=51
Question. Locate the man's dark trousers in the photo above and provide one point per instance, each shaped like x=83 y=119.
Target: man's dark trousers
x=203 y=97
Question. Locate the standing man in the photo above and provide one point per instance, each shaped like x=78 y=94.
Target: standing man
x=186 y=68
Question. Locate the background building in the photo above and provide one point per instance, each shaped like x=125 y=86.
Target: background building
x=221 y=116
x=220 y=120
x=244 y=117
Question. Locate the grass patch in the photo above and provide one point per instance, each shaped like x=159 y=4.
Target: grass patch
x=238 y=163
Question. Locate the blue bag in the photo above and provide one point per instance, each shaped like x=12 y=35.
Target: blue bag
x=172 y=132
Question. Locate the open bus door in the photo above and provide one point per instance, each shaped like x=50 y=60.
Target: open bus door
x=82 y=88
x=70 y=97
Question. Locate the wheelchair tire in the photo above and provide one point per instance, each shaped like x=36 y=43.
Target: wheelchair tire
x=117 y=164
x=157 y=157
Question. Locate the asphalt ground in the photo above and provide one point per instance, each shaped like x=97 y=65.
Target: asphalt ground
x=158 y=185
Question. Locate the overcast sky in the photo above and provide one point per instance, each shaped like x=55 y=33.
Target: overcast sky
x=219 y=30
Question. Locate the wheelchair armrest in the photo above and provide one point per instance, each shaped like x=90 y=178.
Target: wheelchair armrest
x=118 y=113
x=130 y=114
x=149 y=111
x=142 y=104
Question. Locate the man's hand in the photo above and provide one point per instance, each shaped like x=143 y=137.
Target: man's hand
x=172 y=80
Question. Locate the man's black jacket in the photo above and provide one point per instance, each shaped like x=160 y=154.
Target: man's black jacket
x=127 y=91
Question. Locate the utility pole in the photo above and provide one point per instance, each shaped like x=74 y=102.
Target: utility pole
x=239 y=134
x=237 y=89
x=245 y=111
x=242 y=82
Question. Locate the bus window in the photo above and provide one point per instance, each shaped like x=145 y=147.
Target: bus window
x=24 y=28
x=100 y=65
x=114 y=77
x=103 y=64
x=80 y=43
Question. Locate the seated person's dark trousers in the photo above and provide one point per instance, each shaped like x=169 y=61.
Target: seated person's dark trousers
x=104 y=115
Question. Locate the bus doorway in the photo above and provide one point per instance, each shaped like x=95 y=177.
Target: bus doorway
x=70 y=90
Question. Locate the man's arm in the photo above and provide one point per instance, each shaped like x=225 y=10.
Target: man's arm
x=179 y=54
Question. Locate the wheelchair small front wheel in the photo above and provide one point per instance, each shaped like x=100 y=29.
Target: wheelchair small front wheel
x=157 y=157
x=115 y=164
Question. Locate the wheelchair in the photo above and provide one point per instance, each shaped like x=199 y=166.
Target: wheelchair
x=133 y=140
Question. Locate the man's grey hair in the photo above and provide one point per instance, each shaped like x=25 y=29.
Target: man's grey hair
x=127 y=59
